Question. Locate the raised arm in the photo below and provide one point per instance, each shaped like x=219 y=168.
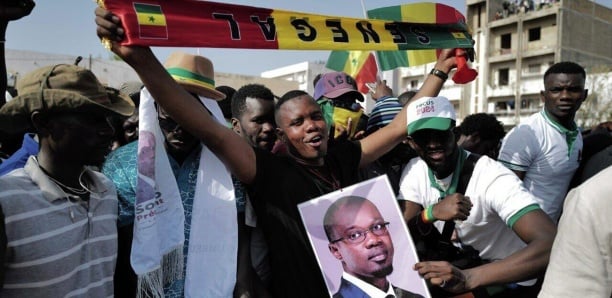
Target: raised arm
x=384 y=139
x=234 y=151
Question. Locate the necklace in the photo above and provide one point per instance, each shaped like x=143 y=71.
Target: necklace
x=73 y=190
x=333 y=182
x=79 y=191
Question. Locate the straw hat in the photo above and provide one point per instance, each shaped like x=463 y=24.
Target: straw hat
x=60 y=87
x=195 y=73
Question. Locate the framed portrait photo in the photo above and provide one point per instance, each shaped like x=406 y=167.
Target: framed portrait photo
x=362 y=243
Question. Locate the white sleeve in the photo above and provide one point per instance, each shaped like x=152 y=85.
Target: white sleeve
x=504 y=193
x=411 y=183
x=519 y=148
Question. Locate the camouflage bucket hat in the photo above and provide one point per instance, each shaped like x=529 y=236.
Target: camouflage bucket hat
x=57 y=88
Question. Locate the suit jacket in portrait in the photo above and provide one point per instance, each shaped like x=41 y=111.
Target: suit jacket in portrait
x=350 y=290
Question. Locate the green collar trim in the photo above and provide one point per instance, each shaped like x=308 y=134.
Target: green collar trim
x=570 y=135
x=558 y=125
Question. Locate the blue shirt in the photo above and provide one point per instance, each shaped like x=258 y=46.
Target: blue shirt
x=18 y=159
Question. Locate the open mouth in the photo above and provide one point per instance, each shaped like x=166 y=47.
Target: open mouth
x=315 y=141
x=176 y=142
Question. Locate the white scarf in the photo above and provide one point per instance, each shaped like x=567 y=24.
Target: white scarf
x=157 y=247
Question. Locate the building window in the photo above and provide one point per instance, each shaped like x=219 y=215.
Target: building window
x=533 y=68
x=534 y=34
x=504 y=74
x=414 y=84
x=506 y=41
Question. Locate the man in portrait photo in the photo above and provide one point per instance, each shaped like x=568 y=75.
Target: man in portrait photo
x=358 y=236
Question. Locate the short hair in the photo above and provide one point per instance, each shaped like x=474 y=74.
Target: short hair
x=405 y=97
x=487 y=126
x=250 y=90
x=288 y=96
x=330 y=214
x=565 y=67
x=226 y=104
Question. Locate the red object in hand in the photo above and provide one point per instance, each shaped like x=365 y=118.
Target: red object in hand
x=464 y=73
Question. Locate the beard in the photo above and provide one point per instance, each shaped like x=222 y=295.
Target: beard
x=383 y=272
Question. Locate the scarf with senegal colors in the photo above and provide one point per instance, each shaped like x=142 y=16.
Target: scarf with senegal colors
x=157 y=247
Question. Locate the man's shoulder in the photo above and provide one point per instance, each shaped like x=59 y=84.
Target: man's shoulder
x=125 y=153
x=349 y=290
x=416 y=166
x=127 y=149
x=13 y=179
x=529 y=125
x=340 y=147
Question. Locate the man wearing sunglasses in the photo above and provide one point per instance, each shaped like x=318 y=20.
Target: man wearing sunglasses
x=494 y=214
x=184 y=153
x=359 y=237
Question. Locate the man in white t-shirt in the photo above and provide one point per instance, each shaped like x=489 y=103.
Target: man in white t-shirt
x=493 y=216
x=545 y=150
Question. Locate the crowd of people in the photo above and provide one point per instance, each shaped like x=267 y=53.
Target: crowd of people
x=174 y=187
x=512 y=7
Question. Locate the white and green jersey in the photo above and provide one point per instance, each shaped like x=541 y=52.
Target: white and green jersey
x=498 y=197
x=548 y=153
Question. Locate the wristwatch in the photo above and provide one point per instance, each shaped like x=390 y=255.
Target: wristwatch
x=440 y=74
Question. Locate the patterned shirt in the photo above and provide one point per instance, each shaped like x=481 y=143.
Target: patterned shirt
x=121 y=168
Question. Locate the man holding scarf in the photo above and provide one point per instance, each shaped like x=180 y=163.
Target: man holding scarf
x=180 y=198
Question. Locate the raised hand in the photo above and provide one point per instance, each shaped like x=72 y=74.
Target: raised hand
x=109 y=28
x=381 y=89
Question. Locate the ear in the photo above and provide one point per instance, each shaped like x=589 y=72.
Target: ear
x=40 y=123
x=333 y=248
x=586 y=94
x=236 y=126
x=542 y=96
x=412 y=143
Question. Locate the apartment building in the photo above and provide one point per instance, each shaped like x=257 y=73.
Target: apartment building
x=516 y=41
x=301 y=73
